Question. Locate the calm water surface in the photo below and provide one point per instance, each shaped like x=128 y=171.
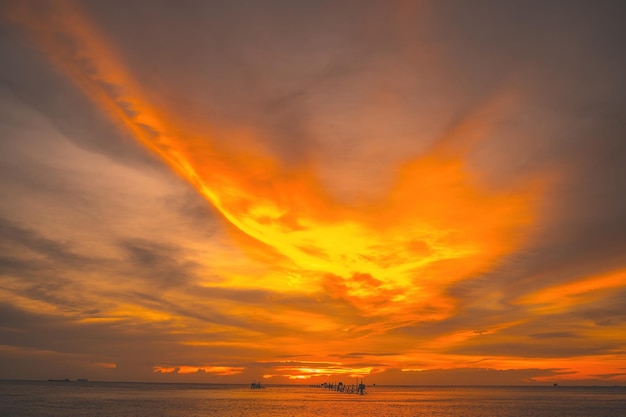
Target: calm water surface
x=90 y=399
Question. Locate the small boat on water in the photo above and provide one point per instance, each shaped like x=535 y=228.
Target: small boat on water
x=68 y=380
x=256 y=385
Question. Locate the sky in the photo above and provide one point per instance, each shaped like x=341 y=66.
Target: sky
x=409 y=192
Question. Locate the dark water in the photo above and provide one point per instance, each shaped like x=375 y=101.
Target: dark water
x=87 y=399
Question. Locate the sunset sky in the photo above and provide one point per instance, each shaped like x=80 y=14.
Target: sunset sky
x=412 y=192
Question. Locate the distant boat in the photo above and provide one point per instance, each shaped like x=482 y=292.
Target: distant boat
x=361 y=388
x=256 y=385
x=68 y=380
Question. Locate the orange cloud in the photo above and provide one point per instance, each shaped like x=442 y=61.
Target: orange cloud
x=564 y=296
x=106 y=365
x=436 y=225
x=391 y=258
x=304 y=370
x=185 y=369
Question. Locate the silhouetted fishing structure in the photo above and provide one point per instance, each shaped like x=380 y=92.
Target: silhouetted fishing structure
x=256 y=385
x=358 y=388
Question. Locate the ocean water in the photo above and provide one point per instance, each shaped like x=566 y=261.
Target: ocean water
x=91 y=399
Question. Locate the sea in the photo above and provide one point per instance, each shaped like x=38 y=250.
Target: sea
x=99 y=399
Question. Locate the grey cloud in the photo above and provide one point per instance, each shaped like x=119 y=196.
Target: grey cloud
x=196 y=211
x=197 y=309
x=556 y=335
x=62 y=345
x=29 y=77
x=64 y=334
x=118 y=340
x=610 y=311
x=575 y=131
x=158 y=263
x=14 y=235
x=294 y=356
x=608 y=376
x=39 y=272
x=360 y=355
x=536 y=349
x=466 y=376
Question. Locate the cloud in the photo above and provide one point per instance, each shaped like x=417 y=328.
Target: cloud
x=556 y=335
x=185 y=369
x=370 y=187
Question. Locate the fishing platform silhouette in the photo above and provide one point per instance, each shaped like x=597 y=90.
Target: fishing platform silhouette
x=358 y=388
